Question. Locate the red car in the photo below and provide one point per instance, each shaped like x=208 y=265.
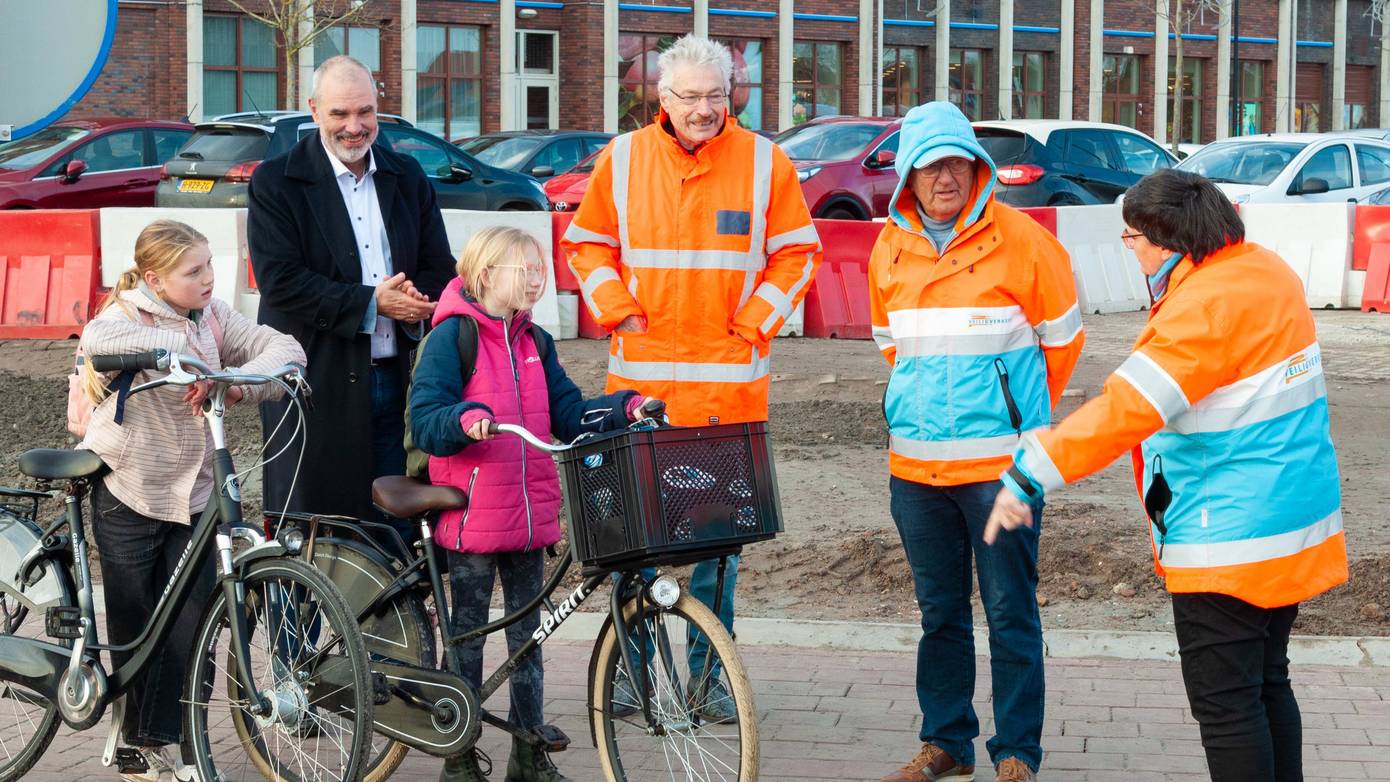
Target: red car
x=565 y=190
x=89 y=163
x=845 y=164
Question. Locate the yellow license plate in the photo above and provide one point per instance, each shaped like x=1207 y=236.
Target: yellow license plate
x=195 y=186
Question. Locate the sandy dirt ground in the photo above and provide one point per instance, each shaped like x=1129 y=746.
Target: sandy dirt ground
x=840 y=557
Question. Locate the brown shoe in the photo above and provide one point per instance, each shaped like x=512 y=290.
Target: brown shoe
x=930 y=765
x=1014 y=770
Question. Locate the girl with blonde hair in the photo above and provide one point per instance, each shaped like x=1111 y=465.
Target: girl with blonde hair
x=514 y=495
x=160 y=457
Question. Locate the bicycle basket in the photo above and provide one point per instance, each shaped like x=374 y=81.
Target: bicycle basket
x=664 y=495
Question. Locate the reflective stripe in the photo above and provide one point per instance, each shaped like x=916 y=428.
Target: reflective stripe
x=578 y=234
x=689 y=372
x=948 y=450
x=1036 y=460
x=1154 y=384
x=1242 y=552
x=884 y=337
x=621 y=161
x=731 y=260
x=1261 y=409
x=966 y=344
x=762 y=195
x=942 y=321
x=1062 y=330
x=806 y=234
x=781 y=305
x=599 y=276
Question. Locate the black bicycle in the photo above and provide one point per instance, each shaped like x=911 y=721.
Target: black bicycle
x=638 y=498
x=277 y=686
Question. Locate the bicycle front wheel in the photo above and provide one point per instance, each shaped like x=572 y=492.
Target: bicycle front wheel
x=693 y=733
x=308 y=662
x=28 y=720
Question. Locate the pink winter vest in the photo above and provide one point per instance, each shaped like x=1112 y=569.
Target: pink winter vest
x=513 y=489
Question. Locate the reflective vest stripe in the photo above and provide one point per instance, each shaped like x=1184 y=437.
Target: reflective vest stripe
x=1241 y=552
x=1060 y=330
x=678 y=371
x=1155 y=385
x=1035 y=460
x=729 y=260
x=577 y=234
x=967 y=345
x=600 y=276
x=806 y=234
x=884 y=337
x=944 y=450
x=622 y=158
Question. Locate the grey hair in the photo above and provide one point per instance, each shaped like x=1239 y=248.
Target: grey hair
x=337 y=63
x=694 y=51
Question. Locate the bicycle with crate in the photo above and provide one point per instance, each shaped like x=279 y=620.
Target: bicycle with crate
x=638 y=498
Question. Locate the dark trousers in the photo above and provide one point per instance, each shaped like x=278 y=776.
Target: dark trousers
x=1235 y=665
x=137 y=556
x=941 y=527
x=471 y=577
x=388 y=443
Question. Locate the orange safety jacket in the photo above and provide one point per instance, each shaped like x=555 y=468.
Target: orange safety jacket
x=1224 y=396
x=715 y=248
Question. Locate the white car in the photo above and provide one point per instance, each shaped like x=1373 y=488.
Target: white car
x=1294 y=167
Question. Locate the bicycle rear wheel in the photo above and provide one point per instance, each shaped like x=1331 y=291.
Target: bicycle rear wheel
x=307 y=658
x=684 y=745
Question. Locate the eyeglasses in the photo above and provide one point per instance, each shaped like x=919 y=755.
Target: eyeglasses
x=956 y=165
x=533 y=274
x=1128 y=238
x=715 y=101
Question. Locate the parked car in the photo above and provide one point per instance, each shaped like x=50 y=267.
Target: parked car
x=1379 y=198
x=1294 y=167
x=540 y=153
x=1067 y=163
x=845 y=164
x=87 y=164
x=1186 y=151
x=214 y=168
x=566 y=190
x=1380 y=134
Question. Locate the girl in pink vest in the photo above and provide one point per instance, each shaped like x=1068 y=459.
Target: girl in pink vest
x=514 y=492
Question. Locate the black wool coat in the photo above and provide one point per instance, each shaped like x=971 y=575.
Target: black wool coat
x=305 y=259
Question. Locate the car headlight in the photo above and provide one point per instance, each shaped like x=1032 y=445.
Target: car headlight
x=803 y=174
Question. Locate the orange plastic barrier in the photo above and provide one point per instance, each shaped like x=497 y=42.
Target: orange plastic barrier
x=1045 y=215
x=564 y=278
x=838 y=303
x=1372 y=228
x=1376 y=295
x=50 y=265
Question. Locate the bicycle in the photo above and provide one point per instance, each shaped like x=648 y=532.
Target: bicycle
x=435 y=711
x=278 y=683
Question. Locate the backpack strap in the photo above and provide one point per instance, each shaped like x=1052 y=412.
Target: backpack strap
x=467 y=347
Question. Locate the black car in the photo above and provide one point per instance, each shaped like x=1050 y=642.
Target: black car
x=214 y=167
x=540 y=153
x=1066 y=163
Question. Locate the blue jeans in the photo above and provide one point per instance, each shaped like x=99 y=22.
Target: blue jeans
x=941 y=526
x=388 y=439
x=703 y=580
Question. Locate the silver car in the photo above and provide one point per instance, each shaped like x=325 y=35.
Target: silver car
x=1294 y=167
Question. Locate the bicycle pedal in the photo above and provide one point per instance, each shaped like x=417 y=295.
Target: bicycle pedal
x=63 y=622
x=130 y=761
x=552 y=739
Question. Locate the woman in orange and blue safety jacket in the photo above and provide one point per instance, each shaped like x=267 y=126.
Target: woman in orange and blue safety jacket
x=1223 y=406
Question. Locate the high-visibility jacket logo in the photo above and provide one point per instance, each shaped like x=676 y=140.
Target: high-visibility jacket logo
x=1301 y=365
x=988 y=320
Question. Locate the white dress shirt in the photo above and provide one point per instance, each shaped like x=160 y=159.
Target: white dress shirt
x=373 y=248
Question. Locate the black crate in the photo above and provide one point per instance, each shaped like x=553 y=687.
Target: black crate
x=665 y=496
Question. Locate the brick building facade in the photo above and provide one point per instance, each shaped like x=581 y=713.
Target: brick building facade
x=457 y=79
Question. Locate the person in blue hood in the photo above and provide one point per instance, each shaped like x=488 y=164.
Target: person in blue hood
x=974 y=308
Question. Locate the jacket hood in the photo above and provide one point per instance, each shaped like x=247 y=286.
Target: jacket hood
x=934 y=127
x=454 y=301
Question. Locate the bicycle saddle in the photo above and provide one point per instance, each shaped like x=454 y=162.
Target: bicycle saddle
x=61 y=464
x=411 y=498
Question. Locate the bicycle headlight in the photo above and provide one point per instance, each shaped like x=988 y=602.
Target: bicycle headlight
x=664 y=591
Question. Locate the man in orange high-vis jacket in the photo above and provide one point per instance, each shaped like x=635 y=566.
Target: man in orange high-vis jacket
x=1223 y=406
x=694 y=244
x=974 y=308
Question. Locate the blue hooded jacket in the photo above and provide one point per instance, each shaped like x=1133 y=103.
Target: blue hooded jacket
x=931 y=132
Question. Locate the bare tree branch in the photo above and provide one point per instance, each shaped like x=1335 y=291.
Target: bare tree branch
x=287 y=17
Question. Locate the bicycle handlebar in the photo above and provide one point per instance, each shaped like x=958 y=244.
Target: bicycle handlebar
x=525 y=434
x=135 y=362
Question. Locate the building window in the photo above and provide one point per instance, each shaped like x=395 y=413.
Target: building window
x=449 y=81
x=902 y=75
x=1308 y=98
x=967 y=79
x=240 y=68
x=817 y=80
x=1120 y=97
x=360 y=43
x=1249 y=111
x=638 y=101
x=1191 y=100
x=1029 y=69
x=746 y=98
x=1355 y=111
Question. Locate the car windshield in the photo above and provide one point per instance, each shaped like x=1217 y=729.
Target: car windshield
x=33 y=150
x=229 y=144
x=828 y=141
x=502 y=151
x=1242 y=163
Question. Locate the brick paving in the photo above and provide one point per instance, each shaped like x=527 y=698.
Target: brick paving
x=853 y=716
